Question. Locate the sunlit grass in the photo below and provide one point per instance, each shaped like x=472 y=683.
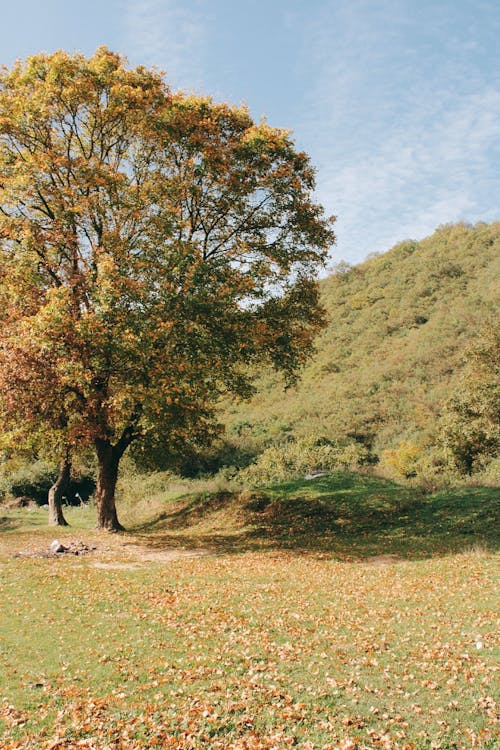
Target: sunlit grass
x=370 y=633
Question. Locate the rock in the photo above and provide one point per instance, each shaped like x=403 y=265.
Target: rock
x=315 y=475
x=79 y=548
x=57 y=547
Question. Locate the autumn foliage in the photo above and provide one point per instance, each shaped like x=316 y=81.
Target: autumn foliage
x=152 y=246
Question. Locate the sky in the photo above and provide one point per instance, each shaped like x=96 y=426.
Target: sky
x=397 y=102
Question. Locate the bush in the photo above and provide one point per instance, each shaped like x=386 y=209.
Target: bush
x=490 y=474
x=429 y=467
x=401 y=462
x=33 y=480
x=470 y=424
x=27 y=480
x=303 y=456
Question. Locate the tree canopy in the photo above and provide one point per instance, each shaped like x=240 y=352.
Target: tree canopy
x=470 y=427
x=154 y=249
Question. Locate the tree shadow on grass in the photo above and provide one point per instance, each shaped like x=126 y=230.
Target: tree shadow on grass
x=345 y=516
x=9 y=524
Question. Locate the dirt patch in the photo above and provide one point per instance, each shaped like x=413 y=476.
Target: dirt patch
x=165 y=555
x=60 y=550
x=116 y=553
x=137 y=555
x=382 y=560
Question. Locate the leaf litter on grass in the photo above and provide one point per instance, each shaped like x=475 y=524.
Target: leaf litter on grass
x=260 y=648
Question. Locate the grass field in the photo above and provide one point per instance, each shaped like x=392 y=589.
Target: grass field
x=343 y=612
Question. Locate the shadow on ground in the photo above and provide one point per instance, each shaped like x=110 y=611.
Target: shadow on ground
x=8 y=524
x=343 y=515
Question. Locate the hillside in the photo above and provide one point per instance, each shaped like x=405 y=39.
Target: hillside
x=392 y=352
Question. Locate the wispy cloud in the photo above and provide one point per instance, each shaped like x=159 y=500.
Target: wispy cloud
x=170 y=35
x=405 y=125
x=433 y=171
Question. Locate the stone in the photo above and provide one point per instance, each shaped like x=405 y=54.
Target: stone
x=57 y=547
x=315 y=475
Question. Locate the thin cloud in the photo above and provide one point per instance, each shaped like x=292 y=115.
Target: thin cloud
x=170 y=35
x=417 y=178
x=405 y=128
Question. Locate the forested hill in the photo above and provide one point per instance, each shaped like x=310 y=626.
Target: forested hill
x=398 y=327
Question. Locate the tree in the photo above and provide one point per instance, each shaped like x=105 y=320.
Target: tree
x=33 y=408
x=155 y=247
x=470 y=426
x=58 y=491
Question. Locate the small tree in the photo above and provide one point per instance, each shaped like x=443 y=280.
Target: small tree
x=58 y=490
x=470 y=426
x=33 y=411
x=155 y=247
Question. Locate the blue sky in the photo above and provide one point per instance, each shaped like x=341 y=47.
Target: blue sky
x=396 y=101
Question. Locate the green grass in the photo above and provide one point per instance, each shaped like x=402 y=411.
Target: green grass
x=348 y=516
x=338 y=613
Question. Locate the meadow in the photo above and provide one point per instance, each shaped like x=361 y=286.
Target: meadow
x=341 y=612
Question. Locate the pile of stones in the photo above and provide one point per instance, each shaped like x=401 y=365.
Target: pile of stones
x=57 y=549
x=73 y=548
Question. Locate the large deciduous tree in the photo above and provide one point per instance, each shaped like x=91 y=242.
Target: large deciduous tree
x=156 y=248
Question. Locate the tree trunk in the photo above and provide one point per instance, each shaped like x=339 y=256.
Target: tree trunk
x=56 y=493
x=108 y=457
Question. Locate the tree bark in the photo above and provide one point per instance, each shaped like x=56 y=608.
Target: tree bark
x=108 y=457
x=56 y=493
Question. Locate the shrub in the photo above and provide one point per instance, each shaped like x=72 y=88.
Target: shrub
x=470 y=423
x=401 y=462
x=490 y=474
x=302 y=456
x=31 y=480
x=429 y=467
x=34 y=480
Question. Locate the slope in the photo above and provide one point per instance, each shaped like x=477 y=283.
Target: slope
x=392 y=352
